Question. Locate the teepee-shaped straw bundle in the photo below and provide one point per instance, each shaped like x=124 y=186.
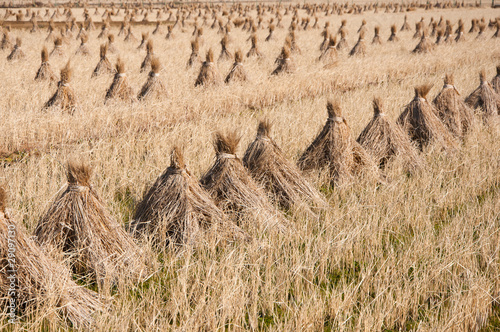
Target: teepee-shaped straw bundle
x=103 y=66
x=237 y=73
x=195 y=51
x=376 y=37
x=233 y=188
x=254 y=50
x=45 y=72
x=420 y=122
x=484 y=98
x=360 y=47
x=130 y=35
x=224 y=53
x=6 y=43
x=326 y=39
x=57 y=51
x=285 y=62
x=78 y=224
x=269 y=167
x=120 y=89
x=154 y=87
x=495 y=82
x=64 y=97
x=144 y=40
x=452 y=110
x=424 y=45
x=176 y=209
x=146 y=63
x=329 y=56
x=83 y=49
x=385 y=140
x=270 y=35
x=393 y=37
x=170 y=33
x=342 y=44
x=17 y=53
x=40 y=282
x=111 y=44
x=405 y=26
x=208 y=72
x=336 y=150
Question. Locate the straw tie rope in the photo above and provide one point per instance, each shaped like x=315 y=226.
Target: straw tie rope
x=76 y=187
x=337 y=119
x=226 y=156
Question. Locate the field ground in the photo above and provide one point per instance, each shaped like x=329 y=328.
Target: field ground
x=418 y=252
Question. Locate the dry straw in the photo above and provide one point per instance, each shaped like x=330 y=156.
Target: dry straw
x=424 y=45
x=130 y=36
x=254 y=50
x=64 y=97
x=393 y=37
x=6 y=43
x=57 y=50
x=270 y=36
x=45 y=72
x=385 y=140
x=120 y=88
x=146 y=63
x=376 y=37
x=329 y=57
x=495 y=82
x=360 y=47
x=233 y=189
x=194 y=58
x=237 y=72
x=405 y=26
x=342 y=44
x=269 y=167
x=177 y=210
x=154 y=87
x=144 y=40
x=78 y=224
x=484 y=98
x=452 y=110
x=336 y=150
x=17 y=53
x=286 y=65
x=224 y=53
x=104 y=65
x=420 y=122
x=111 y=44
x=209 y=75
x=42 y=284
x=83 y=49
x=170 y=33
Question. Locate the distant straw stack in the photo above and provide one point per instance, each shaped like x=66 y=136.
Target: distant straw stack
x=17 y=53
x=194 y=58
x=45 y=72
x=484 y=98
x=57 y=50
x=120 y=88
x=495 y=82
x=330 y=56
x=154 y=87
x=146 y=63
x=104 y=65
x=224 y=53
x=237 y=72
x=64 y=98
x=376 y=37
x=209 y=75
x=254 y=50
x=83 y=49
x=424 y=45
x=286 y=65
x=393 y=37
x=360 y=47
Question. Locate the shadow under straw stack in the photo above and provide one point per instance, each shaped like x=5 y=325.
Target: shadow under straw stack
x=42 y=284
x=360 y=47
x=385 y=141
x=120 y=88
x=233 y=189
x=78 y=224
x=45 y=72
x=208 y=76
x=484 y=98
x=285 y=63
x=146 y=63
x=104 y=65
x=420 y=122
x=177 y=210
x=17 y=53
x=64 y=97
x=224 y=53
x=237 y=73
x=269 y=167
x=452 y=110
x=57 y=51
x=154 y=87
x=83 y=49
x=336 y=150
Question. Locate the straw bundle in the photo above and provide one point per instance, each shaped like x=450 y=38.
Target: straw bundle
x=233 y=188
x=326 y=39
x=78 y=224
x=144 y=40
x=103 y=66
x=208 y=72
x=130 y=36
x=336 y=150
x=194 y=57
x=176 y=209
x=329 y=56
x=40 y=282
x=45 y=72
x=269 y=167
x=158 y=28
x=254 y=50
x=83 y=49
x=460 y=33
x=385 y=140
x=360 y=47
x=154 y=87
x=146 y=63
x=6 y=43
x=342 y=44
x=64 y=97
x=17 y=53
x=393 y=37
x=495 y=82
x=270 y=36
x=237 y=73
x=452 y=110
x=119 y=89
x=294 y=48
x=424 y=45
x=439 y=37
x=285 y=62
x=420 y=121
x=484 y=98
x=405 y=26
x=376 y=37
x=224 y=53
x=104 y=31
x=170 y=34
x=57 y=51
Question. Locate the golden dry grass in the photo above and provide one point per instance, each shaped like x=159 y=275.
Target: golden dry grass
x=415 y=253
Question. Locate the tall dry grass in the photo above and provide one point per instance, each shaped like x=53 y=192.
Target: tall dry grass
x=415 y=253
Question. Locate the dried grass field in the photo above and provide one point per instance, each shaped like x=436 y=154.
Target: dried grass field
x=414 y=252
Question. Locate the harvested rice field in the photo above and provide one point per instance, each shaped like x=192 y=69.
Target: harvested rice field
x=325 y=178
